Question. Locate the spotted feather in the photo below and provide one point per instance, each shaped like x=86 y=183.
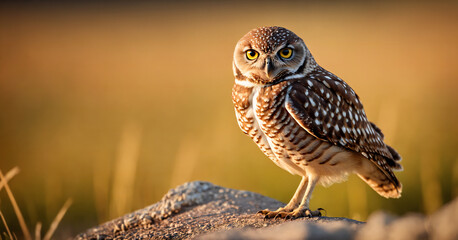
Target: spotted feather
x=329 y=109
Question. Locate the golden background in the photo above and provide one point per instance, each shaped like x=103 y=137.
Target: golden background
x=113 y=104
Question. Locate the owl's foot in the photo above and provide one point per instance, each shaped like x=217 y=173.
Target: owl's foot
x=296 y=213
x=273 y=214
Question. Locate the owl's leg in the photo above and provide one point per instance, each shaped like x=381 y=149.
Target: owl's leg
x=303 y=210
x=293 y=203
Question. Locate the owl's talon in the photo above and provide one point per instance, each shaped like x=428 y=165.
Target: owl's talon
x=267 y=217
x=281 y=215
x=263 y=212
x=272 y=215
x=310 y=214
x=322 y=209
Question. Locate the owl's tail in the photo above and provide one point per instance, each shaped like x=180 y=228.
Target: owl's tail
x=384 y=182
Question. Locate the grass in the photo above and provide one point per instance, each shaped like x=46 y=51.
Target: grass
x=25 y=231
x=6 y=226
x=112 y=108
x=124 y=171
x=21 y=221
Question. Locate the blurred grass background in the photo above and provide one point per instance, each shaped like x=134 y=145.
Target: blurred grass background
x=112 y=105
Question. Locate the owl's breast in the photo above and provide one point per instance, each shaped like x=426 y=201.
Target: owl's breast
x=243 y=98
x=261 y=115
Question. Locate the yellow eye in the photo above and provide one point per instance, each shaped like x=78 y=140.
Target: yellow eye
x=286 y=53
x=252 y=54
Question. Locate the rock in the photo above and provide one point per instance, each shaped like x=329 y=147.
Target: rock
x=381 y=226
x=298 y=229
x=205 y=211
x=441 y=225
x=193 y=209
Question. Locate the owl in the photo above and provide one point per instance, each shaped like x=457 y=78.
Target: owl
x=306 y=120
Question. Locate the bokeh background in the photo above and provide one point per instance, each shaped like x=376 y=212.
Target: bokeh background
x=113 y=104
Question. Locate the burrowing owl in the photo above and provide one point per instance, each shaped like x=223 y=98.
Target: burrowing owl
x=306 y=120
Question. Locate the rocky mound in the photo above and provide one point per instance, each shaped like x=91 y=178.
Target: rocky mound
x=205 y=211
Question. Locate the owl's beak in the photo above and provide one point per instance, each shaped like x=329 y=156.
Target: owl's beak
x=270 y=69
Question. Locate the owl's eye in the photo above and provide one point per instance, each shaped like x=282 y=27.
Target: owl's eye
x=252 y=54
x=286 y=53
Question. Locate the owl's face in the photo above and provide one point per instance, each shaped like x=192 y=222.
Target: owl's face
x=268 y=54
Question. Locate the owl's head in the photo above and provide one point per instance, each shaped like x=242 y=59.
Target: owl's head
x=268 y=55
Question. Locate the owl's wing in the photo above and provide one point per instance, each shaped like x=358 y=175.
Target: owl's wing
x=329 y=109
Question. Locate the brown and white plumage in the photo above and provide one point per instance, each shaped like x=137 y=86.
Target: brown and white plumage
x=305 y=119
